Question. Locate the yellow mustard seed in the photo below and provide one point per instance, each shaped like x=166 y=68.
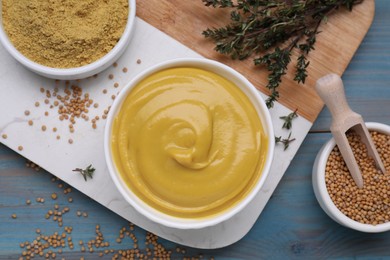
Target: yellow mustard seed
x=368 y=205
x=54 y=196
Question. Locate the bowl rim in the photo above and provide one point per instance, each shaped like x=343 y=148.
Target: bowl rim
x=77 y=72
x=321 y=191
x=165 y=219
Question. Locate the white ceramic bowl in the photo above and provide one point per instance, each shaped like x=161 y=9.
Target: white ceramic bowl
x=79 y=72
x=264 y=115
x=322 y=194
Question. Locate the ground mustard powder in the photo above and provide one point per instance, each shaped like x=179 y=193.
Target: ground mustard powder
x=64 y=33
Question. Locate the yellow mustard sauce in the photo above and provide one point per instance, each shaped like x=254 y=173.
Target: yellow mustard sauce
x=188 y=142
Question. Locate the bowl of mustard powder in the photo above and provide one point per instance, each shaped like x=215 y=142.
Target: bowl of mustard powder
x=67 y=39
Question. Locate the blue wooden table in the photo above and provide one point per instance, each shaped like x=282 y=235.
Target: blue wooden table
x=291 y=226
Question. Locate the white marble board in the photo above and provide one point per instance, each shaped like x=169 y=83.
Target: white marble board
x=20 y=89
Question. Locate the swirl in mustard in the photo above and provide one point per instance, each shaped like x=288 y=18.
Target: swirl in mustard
x=188 y=142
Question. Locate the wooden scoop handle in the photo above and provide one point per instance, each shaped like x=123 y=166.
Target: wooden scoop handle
x=331 y=90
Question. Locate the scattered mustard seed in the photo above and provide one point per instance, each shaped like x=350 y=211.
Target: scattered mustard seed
x=111 y=76
x=115 y=65
x=54 y=196
x=43 y=128
x=4 y=136
x=30 y=122
x=37 y=104
x=116 y=84
x=20 y=148
x=14 y=216
x=124 y=70
x=70 y=141
x=27 y=112
x=139 y=61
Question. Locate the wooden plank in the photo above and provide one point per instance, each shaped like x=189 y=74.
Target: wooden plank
x=340 y=37
x=367 y=79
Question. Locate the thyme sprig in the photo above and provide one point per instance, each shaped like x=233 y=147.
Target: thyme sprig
x=87 y=172
x=288 y=119
x=285 y=141
x=269 y=31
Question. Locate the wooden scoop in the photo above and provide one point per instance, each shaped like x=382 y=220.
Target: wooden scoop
x=331 y=90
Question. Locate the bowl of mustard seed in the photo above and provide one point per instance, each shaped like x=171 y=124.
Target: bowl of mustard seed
x=67 y=39
x=364 y=209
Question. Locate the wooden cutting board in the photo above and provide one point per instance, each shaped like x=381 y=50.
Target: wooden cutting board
x=340 y=37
